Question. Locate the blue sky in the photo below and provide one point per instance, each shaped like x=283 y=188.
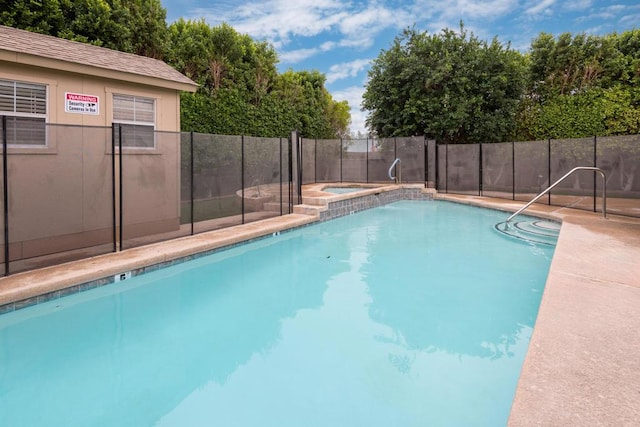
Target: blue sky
x=340 y=38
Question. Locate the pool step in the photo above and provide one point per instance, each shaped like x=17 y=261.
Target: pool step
x=534 y=230
x=276 y=206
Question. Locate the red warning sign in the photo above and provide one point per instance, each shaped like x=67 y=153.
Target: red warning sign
x=79 y=103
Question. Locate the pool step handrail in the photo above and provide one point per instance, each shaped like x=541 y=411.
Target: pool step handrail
x=393 y=165
x=565 y=176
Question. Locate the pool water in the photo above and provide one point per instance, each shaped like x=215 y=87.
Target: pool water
x=343 y=190
x=411 y=314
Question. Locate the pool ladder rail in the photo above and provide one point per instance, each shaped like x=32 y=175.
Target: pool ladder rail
x=397 y=178
x=539 y=231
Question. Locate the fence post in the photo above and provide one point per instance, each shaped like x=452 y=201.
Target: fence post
x=192 y=180
x=366 y=156
x=113 y=186
x=480 y=170
x=280 y=174
x=242 y=177
x=300 y=158
x=290 y=160
x=513 y=170
x=549 y=169
x=300 y=168
x=296 y=161
x=121 y=186
x=395 y=147
x=5 y=190
x=426 y=160
x=446 y=167
x=341 y=149
x=595 y=165
x=437 y=163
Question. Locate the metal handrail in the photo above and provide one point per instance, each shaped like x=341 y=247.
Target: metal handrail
x=589 y=168
x=395 y=162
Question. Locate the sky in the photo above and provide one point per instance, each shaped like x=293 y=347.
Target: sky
x=341 y=38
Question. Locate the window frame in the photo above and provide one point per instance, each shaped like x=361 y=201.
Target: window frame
x=30 y=115
x=135 y=122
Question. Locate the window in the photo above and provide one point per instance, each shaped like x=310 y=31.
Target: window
x=136 y=116
x=25 y=106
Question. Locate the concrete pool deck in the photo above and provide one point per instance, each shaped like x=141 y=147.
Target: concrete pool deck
x=583 y=363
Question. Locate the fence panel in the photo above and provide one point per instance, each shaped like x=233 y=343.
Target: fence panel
x=577 y=191
x=61 y=202
x=441 y=168
x=186 y=181
x=286 y=188
x=619 y=157
x=308 y=161
x=411 y=152
x=151 y=188
x=3 y=247
x=463 y=168
x=431 y=160
x=382 y=153
x=497 y=170
x=531 y=163
x=354 y=160
x=217 y=181
x=261 y=178
x=329 y=160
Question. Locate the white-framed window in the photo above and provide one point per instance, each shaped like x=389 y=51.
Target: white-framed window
x=136 y=116
x=25 y=106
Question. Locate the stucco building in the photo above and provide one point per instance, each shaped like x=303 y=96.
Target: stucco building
x=59 y=100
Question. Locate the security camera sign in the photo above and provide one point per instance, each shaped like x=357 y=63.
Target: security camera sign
x=79 y=103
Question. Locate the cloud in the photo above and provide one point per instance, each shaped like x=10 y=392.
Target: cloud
x=616 y=8
x=277 y=20
x=540 y=7
x=602 y=16
x=578 y=5
x=625 y=14
x=298 y=55
x=368 y=22
x=355 y=24
x=630 y=20
x=456 y=10
x=346 y=70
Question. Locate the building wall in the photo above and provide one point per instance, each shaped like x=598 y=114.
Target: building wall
x=58 y=83
x=60 y=196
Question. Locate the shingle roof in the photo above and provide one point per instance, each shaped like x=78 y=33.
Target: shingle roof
x=25 y=42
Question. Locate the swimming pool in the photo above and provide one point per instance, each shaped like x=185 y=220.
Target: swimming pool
x=343 y=190
x=414 y=313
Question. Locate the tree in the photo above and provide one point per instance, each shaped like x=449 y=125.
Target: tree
x=148 y=21
x=241 y=91
x=134 y=26
x=580 y=86
x=45 y=17
x=450 y=86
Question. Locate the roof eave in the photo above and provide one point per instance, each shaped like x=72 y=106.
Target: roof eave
x=72 y=67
